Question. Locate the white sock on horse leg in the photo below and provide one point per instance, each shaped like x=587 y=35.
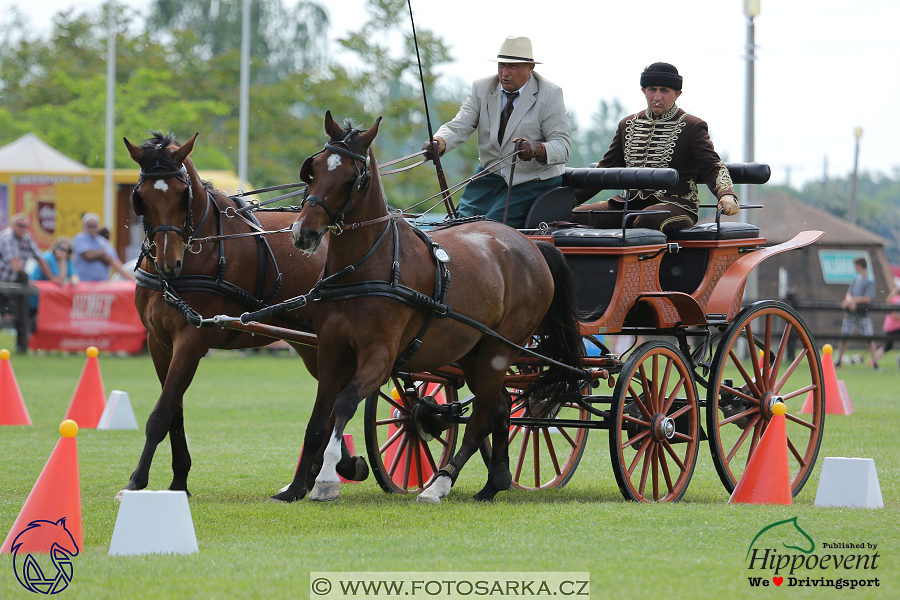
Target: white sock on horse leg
x=439 y=488
x=328 y=474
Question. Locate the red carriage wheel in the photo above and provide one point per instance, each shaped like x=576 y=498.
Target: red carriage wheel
x=405 y=438
x=743 y=386
x=654 y=431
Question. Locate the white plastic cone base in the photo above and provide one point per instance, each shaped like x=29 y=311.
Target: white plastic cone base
x=153 y=523
x=849 y=482
x=118 y=413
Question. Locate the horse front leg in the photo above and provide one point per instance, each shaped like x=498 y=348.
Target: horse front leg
x=175 y=370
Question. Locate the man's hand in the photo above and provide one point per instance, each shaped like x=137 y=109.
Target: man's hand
x=429 y=149
x=530 y=150
x=729 y=205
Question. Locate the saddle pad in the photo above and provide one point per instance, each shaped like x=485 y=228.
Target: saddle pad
x=594 y=238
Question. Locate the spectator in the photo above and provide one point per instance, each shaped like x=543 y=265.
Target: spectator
x=856 y=310
x=891 y=325
x=59 y=259
x=94 y=255
x=17 y=246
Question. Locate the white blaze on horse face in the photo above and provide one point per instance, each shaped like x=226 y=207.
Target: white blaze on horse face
x=161 y=185
x=328 y=474
x=334 y=162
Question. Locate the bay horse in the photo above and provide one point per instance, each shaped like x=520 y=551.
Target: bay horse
x=501 y=280
x=240 y=272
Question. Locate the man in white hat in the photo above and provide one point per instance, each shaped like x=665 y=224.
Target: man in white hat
x=94 y=255
x=516 y=104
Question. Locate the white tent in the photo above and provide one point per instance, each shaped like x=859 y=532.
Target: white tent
x=30 y=154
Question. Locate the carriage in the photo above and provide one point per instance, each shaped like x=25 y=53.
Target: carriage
x=709 y=370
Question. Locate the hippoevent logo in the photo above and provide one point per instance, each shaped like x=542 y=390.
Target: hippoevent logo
x=92 y=306
x=782 y=553
x=56 y=574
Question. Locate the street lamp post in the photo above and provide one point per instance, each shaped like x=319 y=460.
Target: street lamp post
x=751 y=10
x=851 y=210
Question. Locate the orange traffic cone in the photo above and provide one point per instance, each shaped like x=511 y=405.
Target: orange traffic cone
x=12 y=406
x=89 y=400
x=837 y=399
x=767 y=478
x=53 y=508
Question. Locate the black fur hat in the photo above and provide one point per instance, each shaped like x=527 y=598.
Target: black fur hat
x=661 y=74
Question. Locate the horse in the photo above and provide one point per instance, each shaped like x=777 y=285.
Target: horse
x=391 y=308
x=237 y=270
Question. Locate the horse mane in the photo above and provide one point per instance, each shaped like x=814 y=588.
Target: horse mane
x=155 y=150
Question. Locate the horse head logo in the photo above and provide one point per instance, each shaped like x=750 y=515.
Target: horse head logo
x=44 y=537
x=784 y=532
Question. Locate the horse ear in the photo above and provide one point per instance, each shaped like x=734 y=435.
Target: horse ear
x=182 y=153
x=368 y=137
x=137 y=154
x=332 y=129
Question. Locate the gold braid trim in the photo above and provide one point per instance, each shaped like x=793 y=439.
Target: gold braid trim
x=723 y=178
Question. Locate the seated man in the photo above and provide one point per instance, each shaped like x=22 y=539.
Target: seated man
x=94 y=255
x=663 y=136
x=514 y=105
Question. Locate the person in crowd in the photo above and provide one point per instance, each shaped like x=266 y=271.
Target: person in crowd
x=94 y=255
x=856 y=311
x=662 y=136
x=891 y=325
x=515 y=106
x=59 y=259
x=16 y=246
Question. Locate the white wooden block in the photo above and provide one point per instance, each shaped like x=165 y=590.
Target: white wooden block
x=153 y=523
x=849 y=482
x=118 y=413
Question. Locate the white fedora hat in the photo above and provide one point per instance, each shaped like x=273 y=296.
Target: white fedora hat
x=515 y=50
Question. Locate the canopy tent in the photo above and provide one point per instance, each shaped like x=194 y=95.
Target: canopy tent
x=30 y=154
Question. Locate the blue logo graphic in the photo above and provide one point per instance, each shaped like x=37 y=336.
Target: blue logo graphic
x=61 y=547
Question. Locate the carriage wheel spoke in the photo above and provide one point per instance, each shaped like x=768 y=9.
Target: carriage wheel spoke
x=645 y=387
x=747 y=379
x=514 y=431
x=674 y=456
x=431 y=463
x=799 y=421
x=640 y=404
x=751 y=342
x=645 y=467
x=684 y=409
x=418 y=454
x=665 y=469
x=636 y=438
x=400 y=431
x=552 y=451
x=566 y=435
x=635 y=420
x=401 y=407
x=654 y=383
x=738 y=416
x=800 y=356
x=671 y=397
x=637 y=457
x=802 y=390
x=522 y=451
x=397 y=454
x=767 y=349
x=391 y=420
x=536 y=459
x=776 y=366
x=739 y=394
x=407 y=462
x=664 y=385
x=655 y=471
x=796 y=454
x=740 y=440
x=758 y=429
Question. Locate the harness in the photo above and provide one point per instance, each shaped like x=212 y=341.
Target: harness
x=172 y=288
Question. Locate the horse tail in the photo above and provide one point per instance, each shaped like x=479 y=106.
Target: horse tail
x=561 y=336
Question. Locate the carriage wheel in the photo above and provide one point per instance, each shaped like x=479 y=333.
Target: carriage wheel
x=542 y=458
x=742 y=388
x=404 y=437
x=655 y=424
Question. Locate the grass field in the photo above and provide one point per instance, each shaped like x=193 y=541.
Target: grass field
x=245 y=418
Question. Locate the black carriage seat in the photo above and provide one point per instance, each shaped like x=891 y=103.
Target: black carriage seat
x=606 y=238
x=726 y=230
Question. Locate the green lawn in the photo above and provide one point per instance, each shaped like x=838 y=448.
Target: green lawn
x=245 y=418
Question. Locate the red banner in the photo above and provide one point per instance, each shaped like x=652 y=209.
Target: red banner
x=100 y=314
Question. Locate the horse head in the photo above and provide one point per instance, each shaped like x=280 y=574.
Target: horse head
x=337 y=178
x=163 y=198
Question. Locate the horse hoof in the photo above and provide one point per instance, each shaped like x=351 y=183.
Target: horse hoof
x=426 y=498
x=118 y=497
x=285 y=496
x=325 y=491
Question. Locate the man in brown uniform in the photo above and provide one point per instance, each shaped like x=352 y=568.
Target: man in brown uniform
x=663 y=136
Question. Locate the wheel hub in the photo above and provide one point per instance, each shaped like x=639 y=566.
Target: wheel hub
x=663 y=427
x=769 y=400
